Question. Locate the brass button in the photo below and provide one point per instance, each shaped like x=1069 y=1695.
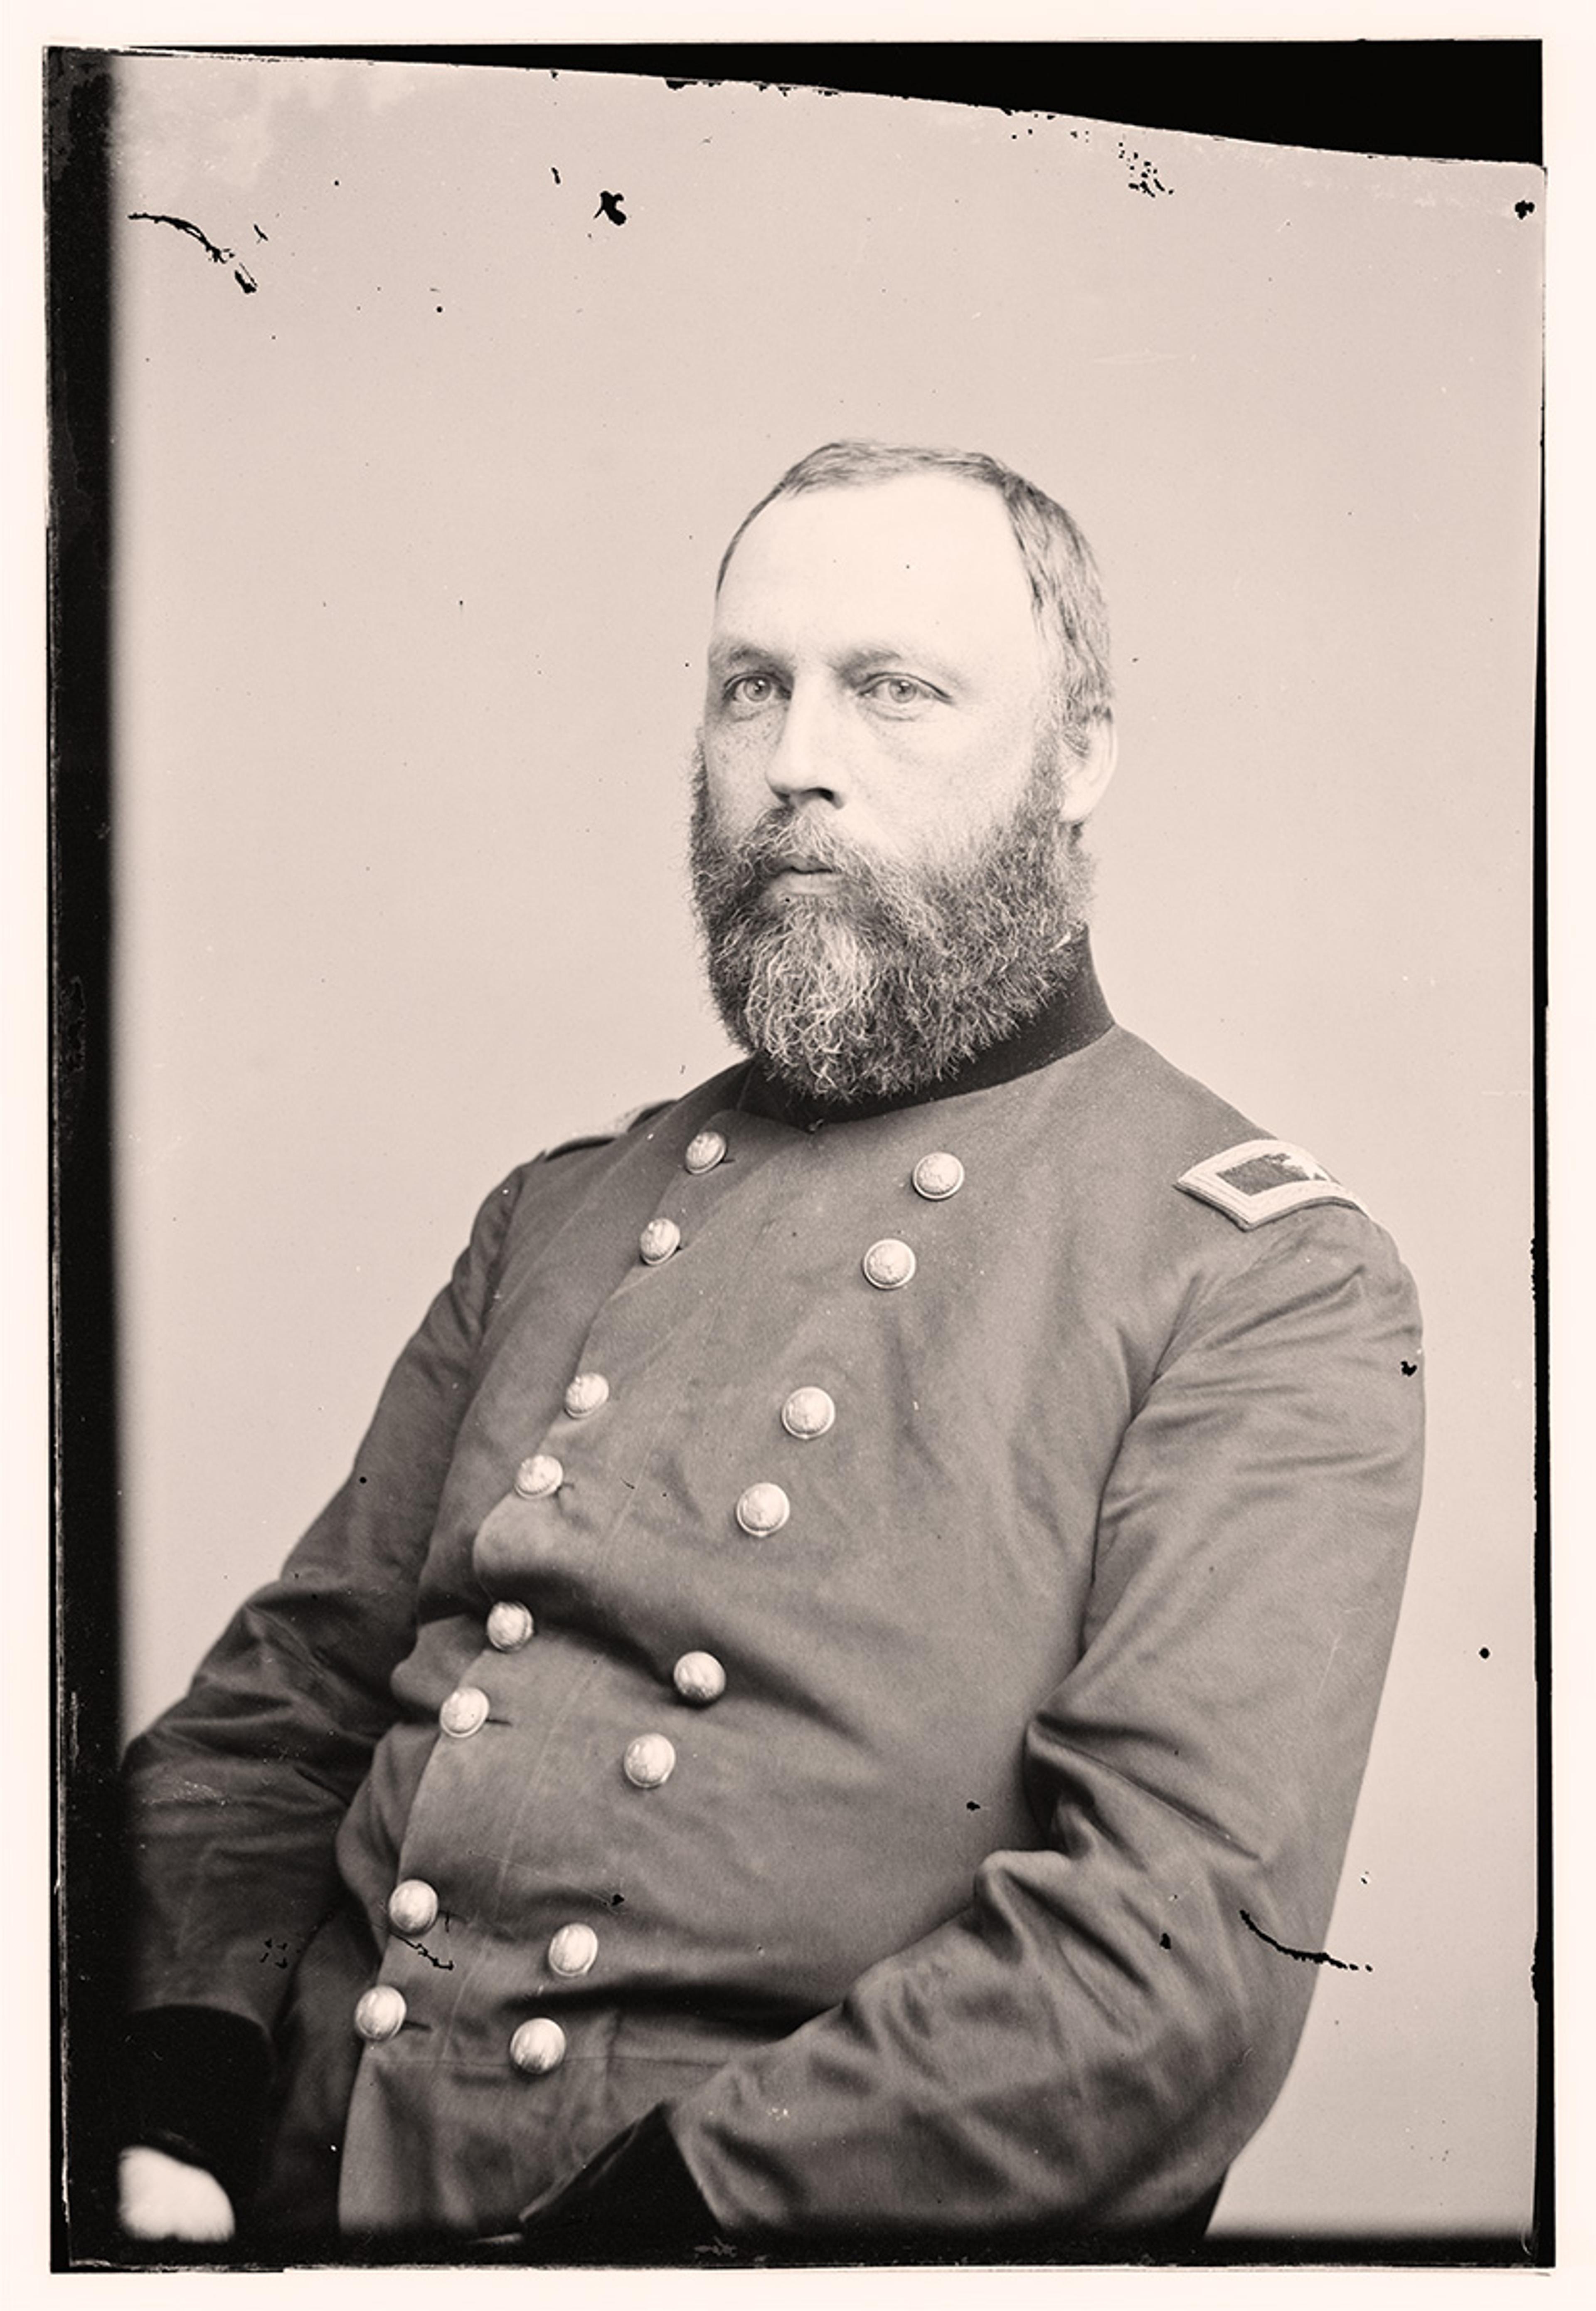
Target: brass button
x=808 y=1412
x=937 y=1176
x=584 y=1394
x=699 y=1678
x=650 y=1761
x=465 y=1712
x=538 y=1475
x=538 y=2046
x=705 y=1151
x=510 y=1626
x=889 y=1264
x=762 y=1509
x=573 y=1950
x=381 y=2013
x=659 y=1240
x=411 y=1906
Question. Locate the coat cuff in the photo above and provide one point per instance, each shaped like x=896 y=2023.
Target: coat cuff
x=196 y=2081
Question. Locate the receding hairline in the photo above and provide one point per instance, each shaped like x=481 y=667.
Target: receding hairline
x=973 y=485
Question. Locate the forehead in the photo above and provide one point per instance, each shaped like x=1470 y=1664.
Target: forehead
x=924 y=556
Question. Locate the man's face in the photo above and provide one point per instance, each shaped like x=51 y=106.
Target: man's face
x=884 y=857
x=875 y=669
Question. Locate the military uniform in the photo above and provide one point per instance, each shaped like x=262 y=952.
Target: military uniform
x=860 y=1627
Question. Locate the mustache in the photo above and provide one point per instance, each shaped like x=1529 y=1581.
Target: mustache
x=785 y=838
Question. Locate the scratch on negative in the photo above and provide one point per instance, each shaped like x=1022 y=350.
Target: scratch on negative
x=443 y=1964
x=1330 y=1657
x=240 y=272
x=1308 y=1957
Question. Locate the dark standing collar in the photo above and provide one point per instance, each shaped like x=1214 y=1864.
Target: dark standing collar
x=1073 y=1018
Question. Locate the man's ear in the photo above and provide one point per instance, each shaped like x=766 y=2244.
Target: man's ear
x=1087 y=775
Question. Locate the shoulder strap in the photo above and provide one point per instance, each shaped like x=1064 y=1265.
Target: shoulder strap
x=633 y=1121
x=1260 y=1180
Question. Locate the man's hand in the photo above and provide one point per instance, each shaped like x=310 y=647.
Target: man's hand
x=162 y=2198
x=634 y=2201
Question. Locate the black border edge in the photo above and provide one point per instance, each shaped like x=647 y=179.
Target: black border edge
x=1543 y=2221
x=85 y=1816
x=1456 y=100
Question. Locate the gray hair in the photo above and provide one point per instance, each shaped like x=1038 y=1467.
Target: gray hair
x=1066 y=593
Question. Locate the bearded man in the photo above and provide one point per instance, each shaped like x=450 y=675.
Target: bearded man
x=828 y=1711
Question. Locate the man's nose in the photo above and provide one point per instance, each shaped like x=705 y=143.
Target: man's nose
x=808 y=757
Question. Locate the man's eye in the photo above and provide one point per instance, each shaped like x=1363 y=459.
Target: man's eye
x=899 y=690
x=748 y=691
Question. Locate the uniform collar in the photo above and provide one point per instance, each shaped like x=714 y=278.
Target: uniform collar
x=1071 y=1020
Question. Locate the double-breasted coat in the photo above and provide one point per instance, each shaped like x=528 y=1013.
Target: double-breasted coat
x=863 y=1631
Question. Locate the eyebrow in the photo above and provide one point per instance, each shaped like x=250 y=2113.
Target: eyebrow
x=910 y=657
x=733 y=652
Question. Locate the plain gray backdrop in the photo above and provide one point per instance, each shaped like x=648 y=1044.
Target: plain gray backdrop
x=415 y=544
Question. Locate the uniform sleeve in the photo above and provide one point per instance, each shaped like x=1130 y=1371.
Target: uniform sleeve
x=235 y=1795
x=1088 y=2044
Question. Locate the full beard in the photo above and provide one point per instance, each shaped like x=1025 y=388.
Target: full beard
x=886 y=981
